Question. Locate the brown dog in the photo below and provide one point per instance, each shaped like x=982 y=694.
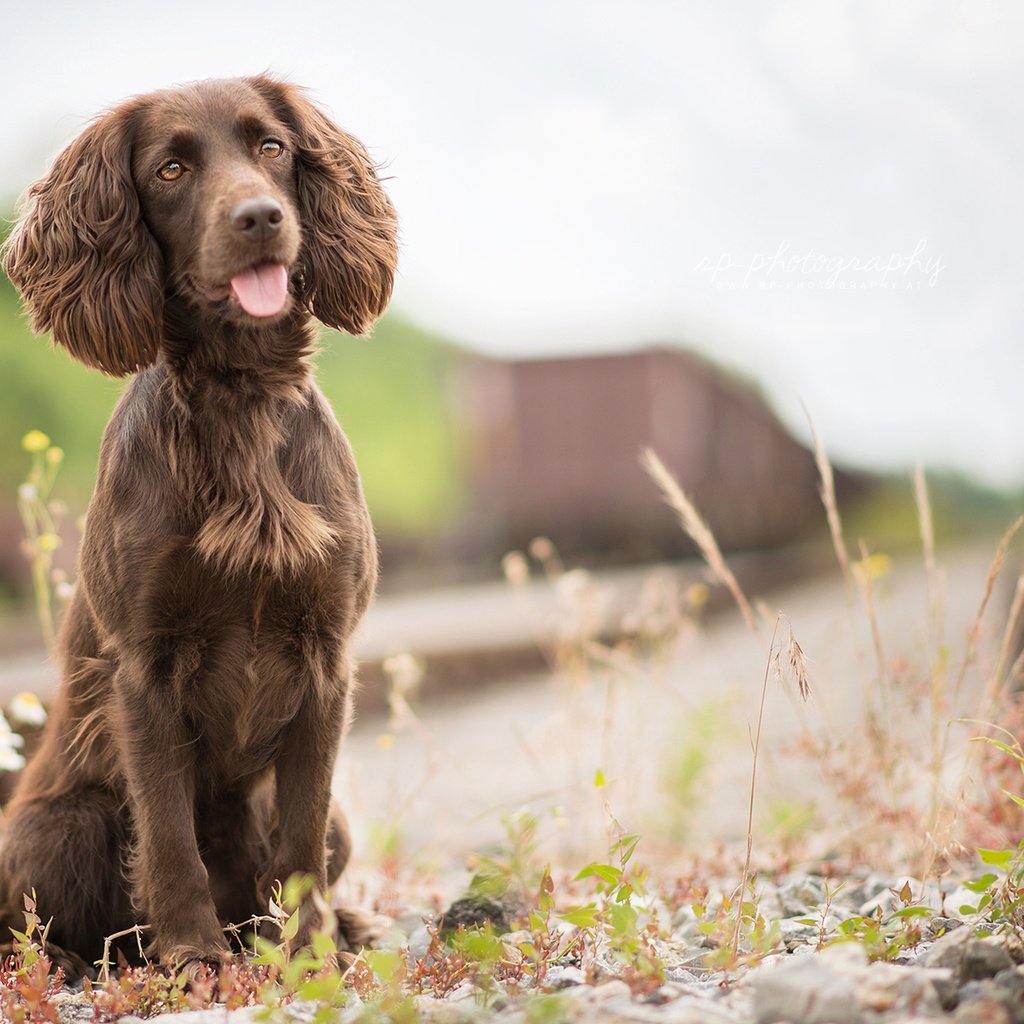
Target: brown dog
x=228 y=554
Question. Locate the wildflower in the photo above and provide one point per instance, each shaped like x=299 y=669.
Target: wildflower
x=35 y=441
x=873 y=567
x=516 y=568
x=697 y=595
x=27 y=709
x=11 y=760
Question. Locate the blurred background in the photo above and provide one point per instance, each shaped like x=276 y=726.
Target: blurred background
x=668 y=224
x=687 y=225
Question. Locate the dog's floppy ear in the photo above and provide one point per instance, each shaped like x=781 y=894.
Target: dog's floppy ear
x=82 y=258
x=349 y=228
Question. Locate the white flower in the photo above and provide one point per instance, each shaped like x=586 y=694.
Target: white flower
x=27 y=709
x=10 y=760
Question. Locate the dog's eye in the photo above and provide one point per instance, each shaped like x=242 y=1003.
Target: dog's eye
x=171 y=171
x=271 y=148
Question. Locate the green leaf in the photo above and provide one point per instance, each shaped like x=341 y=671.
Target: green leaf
x=323 y=945
x=606 y=872
x=1019 y=801
x=981 y=884
x=1014 y=752
x=322 y=989
x=1001 y=858
x=581 y=917
x=625 y=847
x=912 y=912
x=622 y=918
x=291 y=927
x=966 y=909
x=385 y=963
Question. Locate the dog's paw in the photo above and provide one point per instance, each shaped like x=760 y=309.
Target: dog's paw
x=193 y=959
x=358 y=928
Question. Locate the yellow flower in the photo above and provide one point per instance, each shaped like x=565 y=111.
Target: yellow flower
x=49 y=542
x=54 y=456
x=385 y=741
x=35 y=441
x=874 y=567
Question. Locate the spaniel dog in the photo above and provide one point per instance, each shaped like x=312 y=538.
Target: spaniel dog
x=189 y=237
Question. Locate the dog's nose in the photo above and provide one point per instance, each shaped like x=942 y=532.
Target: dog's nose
x=257 y=219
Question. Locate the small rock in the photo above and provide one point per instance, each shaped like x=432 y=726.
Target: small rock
x=985 y=958
x=796 y=932
x=982 y=1010
x=694 y=1011
x=796 y=897
x=73 y=1008
x=474 y=912
x=856 y=893
x=419 y=943
x=805 y=992
x=885 y=987
x=944 y=925
x=564 y=977
x=681 y=976
x=1013 y=981
x=464 y=990
x=988 y=992
x=609 y=991
x=969 y=958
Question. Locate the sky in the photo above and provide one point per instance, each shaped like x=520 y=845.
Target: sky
x=825 y=195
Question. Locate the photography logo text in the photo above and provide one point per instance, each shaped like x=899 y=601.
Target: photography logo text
x=812 y=270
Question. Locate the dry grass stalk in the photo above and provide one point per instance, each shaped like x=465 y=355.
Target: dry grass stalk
x=698 y=531
x=797 y=665
x=1010 y=635
x=867 y=592
x=990 y=581
x=827 y=492
x=992 y=690
x=104 y=966
x=936 y=621
x=927 y=531
x=1001 y=676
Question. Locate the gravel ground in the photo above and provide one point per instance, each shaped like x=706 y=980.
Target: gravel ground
x=950 y=973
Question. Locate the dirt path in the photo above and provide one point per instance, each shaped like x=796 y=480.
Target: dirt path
x=445 y=780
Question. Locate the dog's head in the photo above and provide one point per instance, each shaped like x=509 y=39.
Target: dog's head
x=238 y=198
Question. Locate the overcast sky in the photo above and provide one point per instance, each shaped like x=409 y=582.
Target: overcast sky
x=827 y=195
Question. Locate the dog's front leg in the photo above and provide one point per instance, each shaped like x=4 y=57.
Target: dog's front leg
x=171 y=887
x=303 y=774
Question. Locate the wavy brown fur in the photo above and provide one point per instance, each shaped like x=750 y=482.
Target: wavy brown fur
x=228 y=553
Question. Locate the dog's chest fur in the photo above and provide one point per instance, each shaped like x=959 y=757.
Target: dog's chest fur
x=232 y=478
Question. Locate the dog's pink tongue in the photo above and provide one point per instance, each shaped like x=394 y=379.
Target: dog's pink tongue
x=262 y=290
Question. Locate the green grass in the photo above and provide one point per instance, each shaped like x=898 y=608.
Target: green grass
x=389 y=391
